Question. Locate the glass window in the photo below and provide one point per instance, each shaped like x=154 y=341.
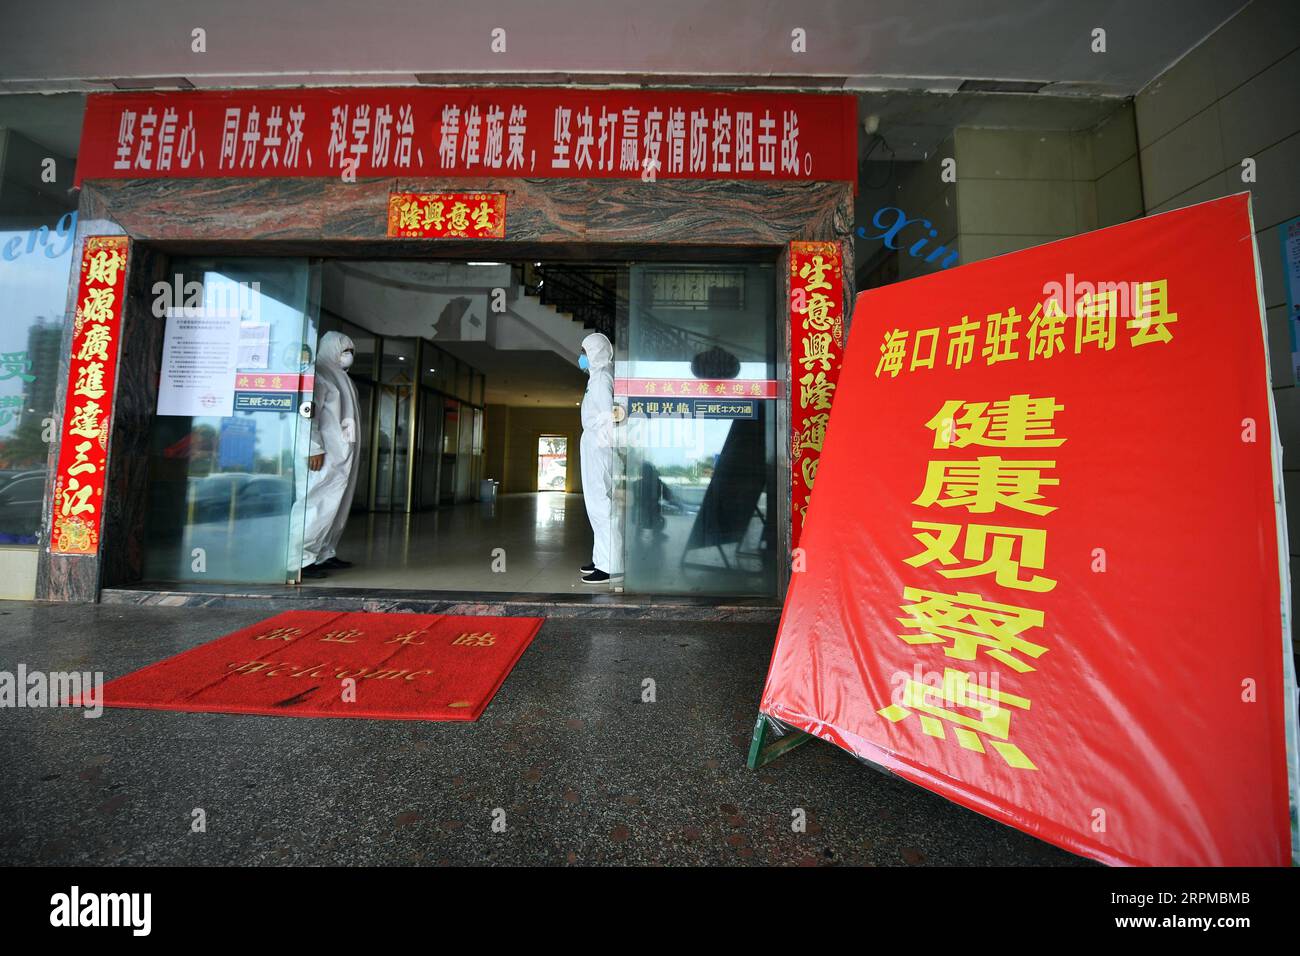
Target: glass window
x=465 y=454
x=439 y=368
x=462 y=381
x=35 y=268
x=398 y=364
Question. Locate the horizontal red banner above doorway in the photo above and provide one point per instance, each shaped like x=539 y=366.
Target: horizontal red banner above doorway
x=496 y=132
x=447 y=215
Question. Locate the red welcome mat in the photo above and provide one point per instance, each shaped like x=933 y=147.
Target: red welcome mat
x=329 y=664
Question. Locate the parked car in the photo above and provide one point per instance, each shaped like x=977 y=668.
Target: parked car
x=264 y=495
x=22 y=496
x=249 y=495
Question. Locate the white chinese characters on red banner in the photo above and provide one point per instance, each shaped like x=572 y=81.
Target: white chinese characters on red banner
x=551 y=133
x=79 y=483
x=816 y=353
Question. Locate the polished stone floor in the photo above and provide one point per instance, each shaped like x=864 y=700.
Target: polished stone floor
x=527 y=543
x=544 y=538
x=580 y=769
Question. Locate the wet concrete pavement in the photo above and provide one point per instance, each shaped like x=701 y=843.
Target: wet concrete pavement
x=584 y=770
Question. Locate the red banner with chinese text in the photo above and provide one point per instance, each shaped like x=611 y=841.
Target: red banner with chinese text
x=698 y=387
x=495 y=132
x=1043 y=571
x=816 y=354
x=447 y=215
x=87 y=412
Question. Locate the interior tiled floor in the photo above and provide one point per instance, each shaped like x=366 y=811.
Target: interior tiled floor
x=545 y=538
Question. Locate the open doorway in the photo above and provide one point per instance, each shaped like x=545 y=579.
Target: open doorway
x=470 y=390
x=552 y=462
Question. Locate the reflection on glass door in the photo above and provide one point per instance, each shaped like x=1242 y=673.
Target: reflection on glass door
x=395 y=392
x=430 y=448
x=450 y=446
x=697 y=469
x=227 y=492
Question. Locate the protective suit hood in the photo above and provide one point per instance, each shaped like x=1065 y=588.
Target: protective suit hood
x=599 y=350
x=331 y=349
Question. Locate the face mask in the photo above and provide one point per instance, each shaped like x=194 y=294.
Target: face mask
x=583 y=363
x=345 y=360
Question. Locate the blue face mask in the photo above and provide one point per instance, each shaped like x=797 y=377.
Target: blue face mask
x=583 y=363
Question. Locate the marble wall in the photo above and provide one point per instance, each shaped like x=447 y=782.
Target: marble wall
x=545 y=218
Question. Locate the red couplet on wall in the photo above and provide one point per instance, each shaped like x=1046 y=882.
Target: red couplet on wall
x=79 y=482
x=1043 y=570
x=816 y=354
x=497 y=132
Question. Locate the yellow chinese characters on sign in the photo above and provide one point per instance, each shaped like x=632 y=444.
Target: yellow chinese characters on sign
x=447 y=215
x=1097 y=320
x=968 y=624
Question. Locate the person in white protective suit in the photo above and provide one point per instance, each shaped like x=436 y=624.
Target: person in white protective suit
x=597 y=453
x=333 y=463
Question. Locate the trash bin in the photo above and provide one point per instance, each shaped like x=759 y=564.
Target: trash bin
x=487 y=489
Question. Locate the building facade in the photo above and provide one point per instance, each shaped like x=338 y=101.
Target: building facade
x=664 y=210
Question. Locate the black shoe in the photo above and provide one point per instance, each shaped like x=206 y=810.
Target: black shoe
x=587 y=568
x=596 y=576
x=314 y=571
x=335 y=563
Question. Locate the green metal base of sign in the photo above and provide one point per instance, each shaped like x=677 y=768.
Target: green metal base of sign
x=772 y=739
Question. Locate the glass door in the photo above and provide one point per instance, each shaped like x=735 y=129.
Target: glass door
x=228 y=472
x=696 y=464
x=397 y=378
x=430 y=448
x=450 y=446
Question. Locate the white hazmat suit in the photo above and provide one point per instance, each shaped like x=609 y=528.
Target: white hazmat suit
x=334 y=433
x=597 y=451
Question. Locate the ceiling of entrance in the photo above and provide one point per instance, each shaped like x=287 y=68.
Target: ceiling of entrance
x=851 y=44
x=446 y=302
x=524 y=377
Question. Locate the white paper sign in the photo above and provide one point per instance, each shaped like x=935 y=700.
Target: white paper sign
x=254 y=345
x=199 y=360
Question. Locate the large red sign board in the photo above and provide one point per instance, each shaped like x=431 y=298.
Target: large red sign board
x=1042 y=562
x=495 y=132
